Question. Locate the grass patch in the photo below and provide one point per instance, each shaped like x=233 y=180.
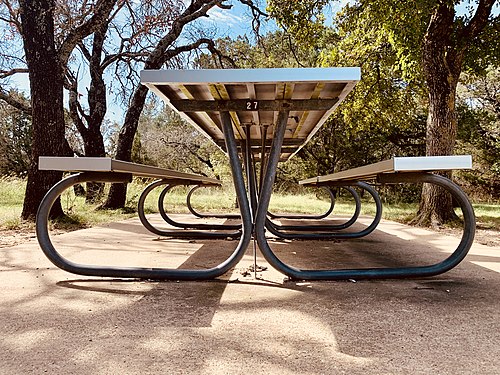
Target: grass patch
x=487 y=215
x=210 y=199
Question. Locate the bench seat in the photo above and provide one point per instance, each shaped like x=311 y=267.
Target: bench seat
x=96 y=164
x=396 y=165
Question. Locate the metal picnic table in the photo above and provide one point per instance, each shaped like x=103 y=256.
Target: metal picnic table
x=267 y=116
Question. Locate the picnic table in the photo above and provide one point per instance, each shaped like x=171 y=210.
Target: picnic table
x=267 y=116
x=260 y=117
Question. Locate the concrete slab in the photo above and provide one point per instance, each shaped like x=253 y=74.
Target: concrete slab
x=58 y=323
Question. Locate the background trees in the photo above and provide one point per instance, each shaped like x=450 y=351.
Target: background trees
x=15 y=141
x=47 y=56
x=432 y=42
x=56 y=37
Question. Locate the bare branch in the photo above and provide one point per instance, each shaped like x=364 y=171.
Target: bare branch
x=220 y=56
x=102 y=11
x=257 y=14
x=14 y=16
x=8 y=73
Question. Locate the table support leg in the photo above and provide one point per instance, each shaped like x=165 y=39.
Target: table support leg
x=56 y=258
x=397 y=272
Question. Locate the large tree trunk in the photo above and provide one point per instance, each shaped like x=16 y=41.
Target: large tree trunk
x=444 y=47
x=46 y=84
x=436 y=206
x=441 y=70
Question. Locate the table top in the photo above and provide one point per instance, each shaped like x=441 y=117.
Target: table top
x=254 y=97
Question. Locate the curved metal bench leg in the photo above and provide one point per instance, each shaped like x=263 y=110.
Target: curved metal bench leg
x=309 y=217
x=173 y=232
x=205 y=215
x=342 y=235
x=48 y=248
x=169 y=220
x=325 y=227
x=398 y=272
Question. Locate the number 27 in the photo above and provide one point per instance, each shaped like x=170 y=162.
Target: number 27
x=252 y=105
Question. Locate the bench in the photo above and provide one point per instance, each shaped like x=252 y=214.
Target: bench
x=410 y=170
x=115 y=171
x=97 y=164
x=395 y=165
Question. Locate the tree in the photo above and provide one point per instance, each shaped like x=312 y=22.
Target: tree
x=123 y=41
x=433 y=43
x=46 y=60
x=169 y=142
x=164 y=51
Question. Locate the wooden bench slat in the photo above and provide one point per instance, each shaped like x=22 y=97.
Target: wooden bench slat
x=395 y=165
x=97 y=164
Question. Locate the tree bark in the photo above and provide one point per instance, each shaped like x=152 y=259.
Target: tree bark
x=444 y=47
x=46 y=85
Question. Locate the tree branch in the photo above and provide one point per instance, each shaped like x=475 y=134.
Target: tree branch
x=103 y=9
x=195 y=10
x=17 y=103
x=8 y=73
x=476 y=24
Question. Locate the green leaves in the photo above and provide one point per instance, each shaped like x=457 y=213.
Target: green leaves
x=302 y=19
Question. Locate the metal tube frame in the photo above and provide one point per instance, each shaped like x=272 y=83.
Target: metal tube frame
x=261 y=223
x=169 y=220
x=322 y=227
x=43 y=235
x=383 y=273
x=205 y=214
x=274 y=229
x=258 y=228
x=310 y=217
x=191 y=234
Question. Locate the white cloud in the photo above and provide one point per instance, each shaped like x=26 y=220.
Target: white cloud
x=224 y=16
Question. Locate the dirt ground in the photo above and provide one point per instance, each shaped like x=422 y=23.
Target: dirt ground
x=488 y=237
x=59 y=323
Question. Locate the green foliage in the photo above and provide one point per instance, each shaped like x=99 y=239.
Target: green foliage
x=273 y=50
x=386 y=114
x=479 y=131
x=383 y=116
x=402 y=24
x=15 y=142
x=302 y=19
x=165 y=140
